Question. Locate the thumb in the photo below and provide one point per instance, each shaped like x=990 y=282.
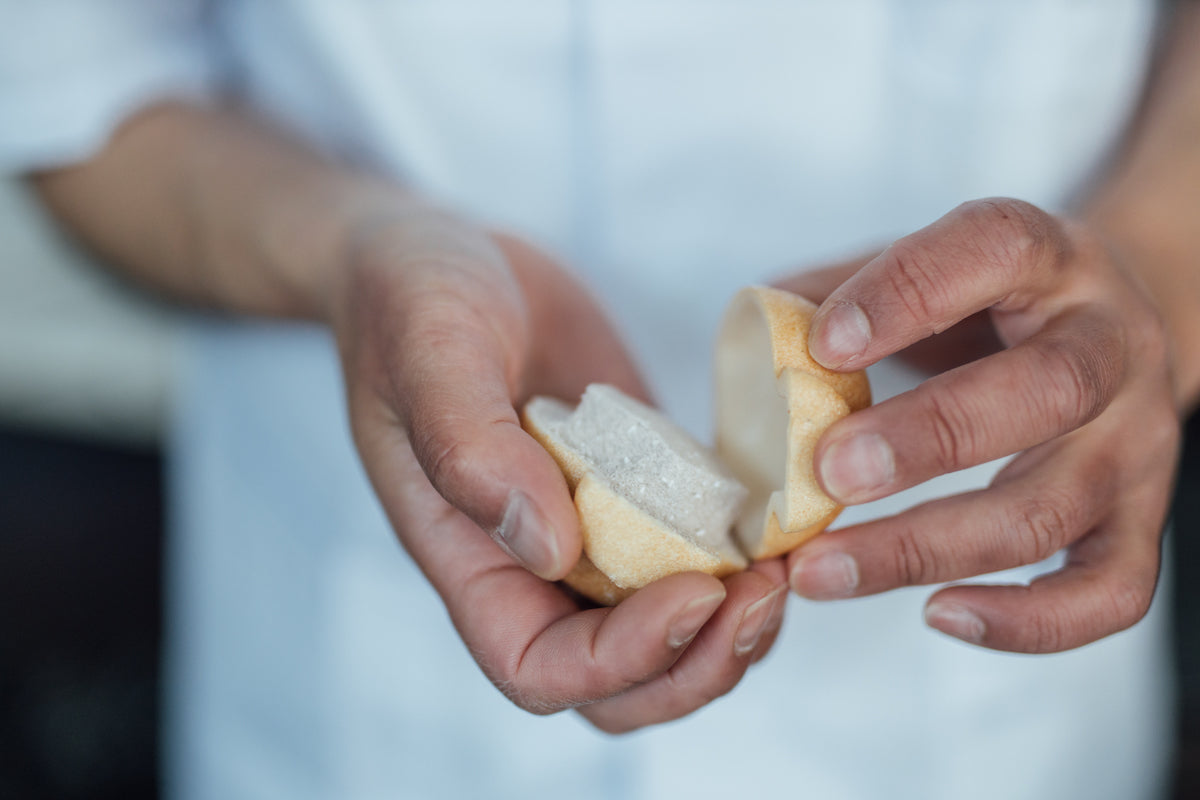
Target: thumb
x=482 y=462
x=450 y=342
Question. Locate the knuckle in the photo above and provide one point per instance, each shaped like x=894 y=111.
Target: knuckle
x=1078 y=378
x=915 y=561
x=1046 y=523
x=1016 y=235
x=450 y=448
x=913 y=280
x=445 y=455
x=954 y=438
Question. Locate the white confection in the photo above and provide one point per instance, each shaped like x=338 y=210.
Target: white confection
x=655 y=464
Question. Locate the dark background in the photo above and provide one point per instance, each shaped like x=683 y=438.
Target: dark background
x=81 y=618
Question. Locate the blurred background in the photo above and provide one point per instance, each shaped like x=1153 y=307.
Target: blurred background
x=84 y=373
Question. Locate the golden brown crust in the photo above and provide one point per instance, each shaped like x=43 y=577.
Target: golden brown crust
x=625 y=548
x=789 y=317
x=813 y=398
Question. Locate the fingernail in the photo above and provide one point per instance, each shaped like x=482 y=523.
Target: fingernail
x=828 y=576
x=688 y=622
x=526 y=536
x=756 y=621
x=857 y=467
x=955 y=621
x=840 y=335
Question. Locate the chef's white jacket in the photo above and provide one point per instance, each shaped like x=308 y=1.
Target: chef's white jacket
x=672 y=151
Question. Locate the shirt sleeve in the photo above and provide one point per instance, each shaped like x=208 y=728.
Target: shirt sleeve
x=72 y=70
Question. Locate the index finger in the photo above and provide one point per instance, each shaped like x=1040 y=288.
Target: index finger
x=446 y=332
x=987 y=253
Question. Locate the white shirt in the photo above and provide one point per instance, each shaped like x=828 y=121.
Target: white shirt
x=673 y=150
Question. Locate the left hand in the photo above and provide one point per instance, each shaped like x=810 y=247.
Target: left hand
x=1081 y=389
x=444 y=331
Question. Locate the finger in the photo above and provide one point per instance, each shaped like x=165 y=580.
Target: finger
x=1028 y=514
x=1050 y=384
x=1108 y=581
x=972 y=338
x=712 y=665
x=453 y=365
x=1106 y=586
x=448 y=546
x=999 y=252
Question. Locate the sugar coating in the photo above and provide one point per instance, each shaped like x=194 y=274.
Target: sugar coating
x=654 y=464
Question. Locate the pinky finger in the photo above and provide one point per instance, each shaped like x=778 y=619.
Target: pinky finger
x=1104 y=588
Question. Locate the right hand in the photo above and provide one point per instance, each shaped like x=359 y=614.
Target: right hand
x=443 y=332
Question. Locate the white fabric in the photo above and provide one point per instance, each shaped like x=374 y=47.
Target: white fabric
x=71 y=70
x=673 y=151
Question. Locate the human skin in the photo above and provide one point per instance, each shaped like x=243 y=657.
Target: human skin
x=444 y=328
x=1095 y=322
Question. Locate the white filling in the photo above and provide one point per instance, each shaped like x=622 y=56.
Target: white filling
x=652 y=462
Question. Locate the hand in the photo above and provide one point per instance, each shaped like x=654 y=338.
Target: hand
x=443 y=332
x=1081 y=390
